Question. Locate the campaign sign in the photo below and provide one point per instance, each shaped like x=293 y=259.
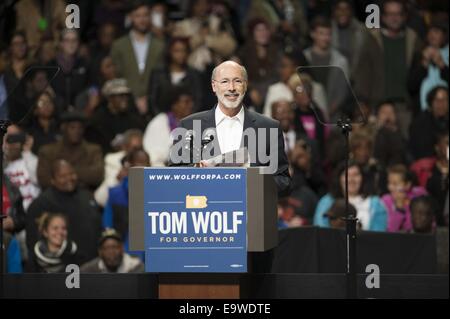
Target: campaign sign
x=195 y=220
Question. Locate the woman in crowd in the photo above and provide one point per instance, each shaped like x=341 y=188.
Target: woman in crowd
x=371 y=211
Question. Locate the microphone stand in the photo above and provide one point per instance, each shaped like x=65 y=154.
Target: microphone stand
x=350 y=220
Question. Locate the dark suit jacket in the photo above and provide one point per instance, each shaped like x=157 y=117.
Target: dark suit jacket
x=251 y=120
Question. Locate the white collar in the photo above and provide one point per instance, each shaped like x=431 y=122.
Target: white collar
x=220 y=116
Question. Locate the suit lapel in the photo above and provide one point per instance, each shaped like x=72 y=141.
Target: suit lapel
x=132 y=55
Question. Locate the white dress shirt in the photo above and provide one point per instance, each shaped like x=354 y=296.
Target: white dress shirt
x=229 y=130
x=140 y=51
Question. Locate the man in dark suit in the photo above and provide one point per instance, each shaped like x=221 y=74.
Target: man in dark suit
x=229 y=121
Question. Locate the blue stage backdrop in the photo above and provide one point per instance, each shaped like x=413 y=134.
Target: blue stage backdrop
x=195 y=220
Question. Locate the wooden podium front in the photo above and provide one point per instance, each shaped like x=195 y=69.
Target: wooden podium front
x=262 y=235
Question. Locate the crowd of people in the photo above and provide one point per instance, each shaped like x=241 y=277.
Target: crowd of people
x=134 y=69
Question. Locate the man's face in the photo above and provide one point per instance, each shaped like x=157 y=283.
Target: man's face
x=183 y=107
x=322 y=37
x=39 y=81
x=107 y=35
x=287 y=68
x=442 y=148
x=343 y=14
x=282 y=112
x=229 y=86
x=393 y=16
x=73 y=132
x=70 y=43
x=111 y=252
x=140 y=19
x=118 y=103
x=386 y=115
x=439 y=106
x=13 y=151
x=436 y=37
x=65 y=178
x=301 y=157
x=421 y=218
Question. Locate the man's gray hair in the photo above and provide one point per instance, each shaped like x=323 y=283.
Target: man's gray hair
x=243 y=71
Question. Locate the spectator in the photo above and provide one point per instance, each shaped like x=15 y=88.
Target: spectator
x=290 y=213
x=281 y=89
x=437 y=184
x=390 y=147
x=21 y=165
x=44 y=127
x=18 y=60
x=347 y=32
x=115 y=214
x=397 y=201
x=309 y=118
x=306 y=171
x=337 y=214
x=175 y=73
x=115 y=117
x=109 y=12
x=210 y=35
x=283 y=112
x=86 y=158
x=137 y=54
x=46 y=51
x=260 y=55
x=13 y=225
x=432 y=121
x=40 y=20
x=287 y=18
x=157 y=137
x=132 y=139
x=65 y=196
x=361 y=151
x=73 y=76
x=111 y=257
x=321 y=53
x=54 y=251
x=429 y=67
x=386 y=56
x=422 y=215
x=371 y=214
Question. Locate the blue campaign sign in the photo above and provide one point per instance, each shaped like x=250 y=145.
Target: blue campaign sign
x=195 y=220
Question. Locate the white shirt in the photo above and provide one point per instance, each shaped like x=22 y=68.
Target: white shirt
x=229 y=130
x=362 y=206
x=140 y=49
x=290 y=137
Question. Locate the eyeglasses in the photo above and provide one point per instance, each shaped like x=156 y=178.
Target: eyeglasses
x=226 y=82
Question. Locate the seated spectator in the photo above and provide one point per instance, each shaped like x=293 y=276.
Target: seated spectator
x=306 y=171
x=210 y=35
x=157 y=137
x=111 y=257
x=260 y=55
x=433 y=121
x=281 y=89
x=174 y=74
x=337 y=214
x=437 y=184
x=132 y=139
x=13 y=224
x=54 y=251
x=371 y=214
x=309 y=118
x=283 y=112
x=73 y=76
x=113 y=118
x=21 y=165
x=321 y=53
x=137 y=53
x=389 y=145
x=65 y=196
x=86 y=158
x=397 y=201
x=44 y=127
x=422 y=215
x=115 y=214
x=429 y=67
x=361 y=151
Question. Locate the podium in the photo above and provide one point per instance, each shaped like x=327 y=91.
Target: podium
x=260 y=211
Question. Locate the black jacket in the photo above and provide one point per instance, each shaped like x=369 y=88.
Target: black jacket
x=251 y=120
x=84 y=224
